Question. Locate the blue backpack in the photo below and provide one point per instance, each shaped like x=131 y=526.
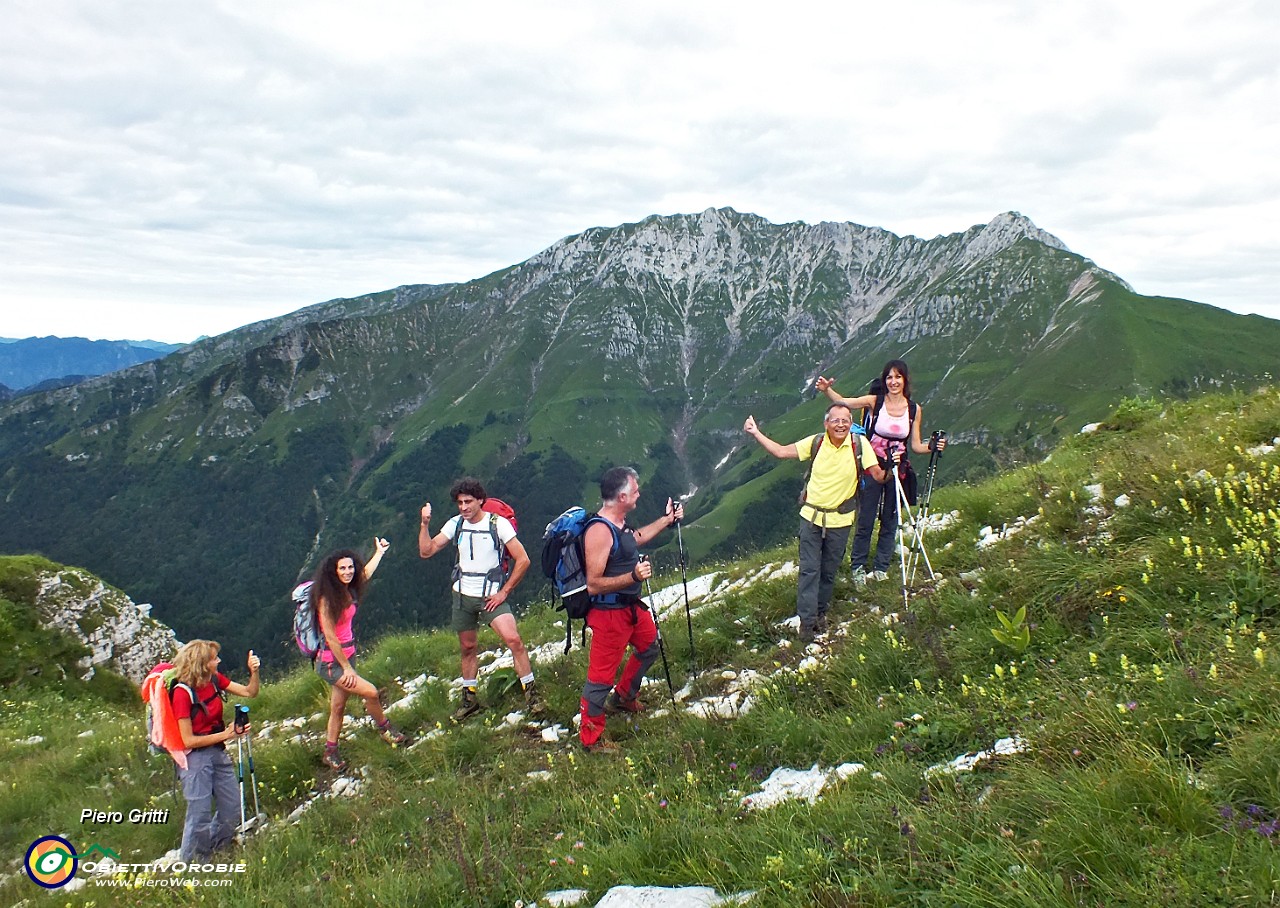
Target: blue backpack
x=564 y=564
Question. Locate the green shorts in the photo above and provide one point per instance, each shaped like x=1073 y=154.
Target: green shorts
x=468 y=612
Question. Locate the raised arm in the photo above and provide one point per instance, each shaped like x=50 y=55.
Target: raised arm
x=828 y=387
x=380 y=547
x=251 y=689
x=783 y=452
x=674 y=512
x=428 y=545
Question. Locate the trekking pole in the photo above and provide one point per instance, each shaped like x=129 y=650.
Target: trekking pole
x=242 y=717
x=900 y=500
x=253 y=779
x=922 y=513
x=662 y=647
x=240 y=777
x=911 y=541
x=688 y=615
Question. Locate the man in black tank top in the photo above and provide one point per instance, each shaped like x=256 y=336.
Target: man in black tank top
x=618 y=616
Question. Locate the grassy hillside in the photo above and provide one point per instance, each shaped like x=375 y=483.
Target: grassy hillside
x=1139 y=723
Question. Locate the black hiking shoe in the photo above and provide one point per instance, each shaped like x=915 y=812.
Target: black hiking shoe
x=469 y=707
x=615 y=705
x=806 y=633
x=821 y=626
x=532 y=702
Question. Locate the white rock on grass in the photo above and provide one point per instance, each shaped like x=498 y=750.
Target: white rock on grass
x=665 y=897
x=1005 y=747
x=730 y=706
x=786 y=784
x=342 y=787
x=988 y=536
x=413 y=689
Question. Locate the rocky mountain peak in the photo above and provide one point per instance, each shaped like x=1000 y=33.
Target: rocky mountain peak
x=121 y=634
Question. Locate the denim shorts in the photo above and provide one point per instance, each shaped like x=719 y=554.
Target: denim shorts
x=332 y=671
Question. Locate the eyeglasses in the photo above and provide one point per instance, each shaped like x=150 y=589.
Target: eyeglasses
x=840 y=422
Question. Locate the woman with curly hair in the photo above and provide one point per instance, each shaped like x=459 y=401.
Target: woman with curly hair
x=335 y=594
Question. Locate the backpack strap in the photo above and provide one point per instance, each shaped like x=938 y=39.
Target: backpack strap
x=813 y=455
x=498 y=546
x=493 y=534
x=606 y=598
x=856 y=441
x=912 y=409
x=203 y=705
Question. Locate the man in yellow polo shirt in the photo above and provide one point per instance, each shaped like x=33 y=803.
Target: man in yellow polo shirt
x=828 y=509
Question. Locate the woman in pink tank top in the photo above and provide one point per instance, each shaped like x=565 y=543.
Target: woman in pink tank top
x=335 y=592
x=895 y=427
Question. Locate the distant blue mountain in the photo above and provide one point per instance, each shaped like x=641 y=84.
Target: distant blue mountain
x=54 y=361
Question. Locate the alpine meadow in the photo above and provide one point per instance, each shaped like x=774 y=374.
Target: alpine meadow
x=1121 y=752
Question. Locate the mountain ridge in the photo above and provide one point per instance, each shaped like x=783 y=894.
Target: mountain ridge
x=28 y=363
x=645 y=343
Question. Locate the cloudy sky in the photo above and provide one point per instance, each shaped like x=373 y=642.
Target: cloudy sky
x=171 y=168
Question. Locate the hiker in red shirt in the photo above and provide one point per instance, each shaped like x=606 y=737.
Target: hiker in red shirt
x=209 y=781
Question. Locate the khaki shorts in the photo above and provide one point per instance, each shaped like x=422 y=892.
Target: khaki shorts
x=468 y=612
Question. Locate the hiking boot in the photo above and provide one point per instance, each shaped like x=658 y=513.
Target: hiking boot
x=604 y=747
x=878 y=575
x=859 y=578
x=806 y=633
x=532 y=702
x=469 y=707
x=821 y=626
x=333 y=759
x=392 y=735
x=615 y=705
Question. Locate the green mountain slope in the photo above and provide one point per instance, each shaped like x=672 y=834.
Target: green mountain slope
x=207 y=481
x=1122 y=753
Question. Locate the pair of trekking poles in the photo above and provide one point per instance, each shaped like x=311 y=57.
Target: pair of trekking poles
x=688 y=616
x=244 y=744
x=911 y=526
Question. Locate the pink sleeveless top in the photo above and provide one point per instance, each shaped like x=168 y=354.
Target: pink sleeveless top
x=889 y=427
x=345 y=635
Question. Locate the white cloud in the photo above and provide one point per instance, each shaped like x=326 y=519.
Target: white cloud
x=178 y=168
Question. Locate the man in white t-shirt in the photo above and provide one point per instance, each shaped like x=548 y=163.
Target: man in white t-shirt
x=481 y=586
